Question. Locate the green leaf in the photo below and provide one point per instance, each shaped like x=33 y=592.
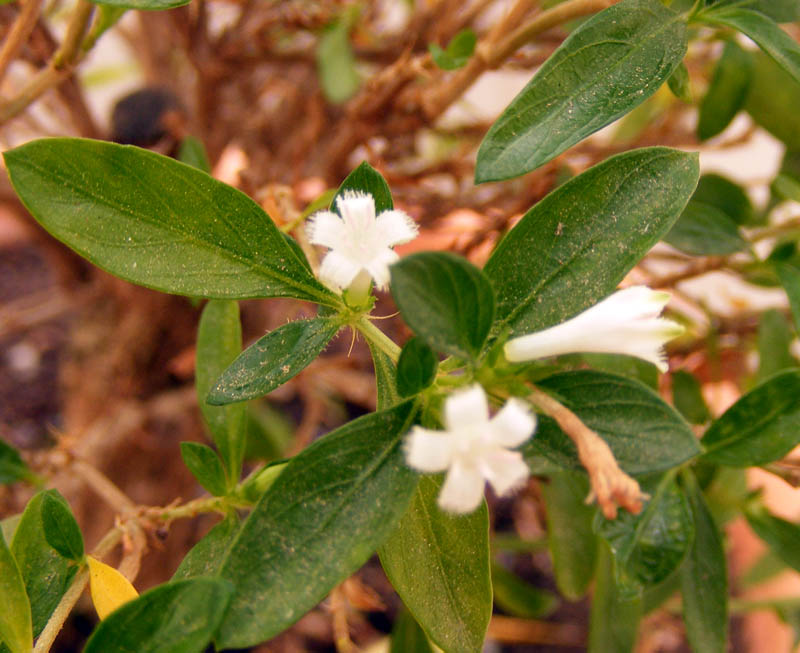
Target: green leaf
x=772 y=100
x=458 y=51
x=782 y=11
x=8 y=526
x=519 y=598
x=727 y=91
x=570 y=535
x=782 y=536
x=774 y=341
x=703 y=230
x=366 y=180
x=445 y=300
x=205 y=466
x=679 y=83
x=176 y=617
x=154 y=221
x=790 y=280
x=326 y=513
x=687 y=396
x=763 y=30
x=439 y=565
x=726 y=196
x=649 y=546
x=609 y=65
x=416 y=368
x=192 y=152
x=760 y=427
x=273 y=360
x=336 y=64
x=46 y=573
x=644 y=432
x=385 y=379
x=577 y=244
x=219 y=342
x=205 y=557
x=145 y=5
x=60 y=528
x=614 y=618
x=15 y=611
x=407 y=636
x=704 y=580
x=12 y=467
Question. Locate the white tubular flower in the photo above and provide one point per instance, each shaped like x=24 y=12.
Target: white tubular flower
x=473 y=448
x=626 y=322
x=360 y=243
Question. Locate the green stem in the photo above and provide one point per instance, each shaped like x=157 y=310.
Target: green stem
x=377 y=337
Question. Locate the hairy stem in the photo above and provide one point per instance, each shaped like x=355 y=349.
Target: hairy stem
x=377 y=337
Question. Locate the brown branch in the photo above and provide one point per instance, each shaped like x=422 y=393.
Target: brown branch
x=22 y=29
x=610 y=485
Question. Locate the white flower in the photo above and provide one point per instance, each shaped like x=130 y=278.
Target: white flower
x=473 y=448
x=626 y=322
x=360 y=243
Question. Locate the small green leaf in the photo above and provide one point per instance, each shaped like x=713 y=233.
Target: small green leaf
x=445 y=300
x=790 y=280
x=326 y=513
x=407 y=636
x=12 y=467
x=205 y=466
x=772 y=100
x=219 y=342
x=679 y=83
x=439 y=565
x=704 y=580
x=763 y=30
x=687 y=396
x=273 y=360
x=649 y=546
x=46 y=573
x=192 y=152
x=519 y=598
x=775 y=337
x=144 y=5
x=782 y=536
x=570 y=535
x=154 y=221
x=336 y=64
x=727 y=91
x=609 y=65
x=614 y=618
x=60 y=528
x=416 y=368
x=458 y=51
x=726 y=196
x=176 y=617
x=703 y=230
x=205 y=557
x=645 y=433
x=385 y=379
x=781 y=11
x=760 y=427
x=366 y=180
x=15 y=611
x=576 y=245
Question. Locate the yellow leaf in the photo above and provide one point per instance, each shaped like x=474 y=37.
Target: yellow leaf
x=109 y=588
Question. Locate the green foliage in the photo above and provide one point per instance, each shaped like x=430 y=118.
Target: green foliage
x=439 y=565
x=60 y=528
x=790 y=280
x=457 y=52
x=15 y=611
x=679 y=83
x=416 y=367
x=205 y=466
x=574 y=246
x=724 y=195
x=157 y=222
x=781 y=535
x=645 y=434
x=446 y=300
x=336 y=64
x=12 y=467
x=192 y=152
x=727 y=91
x=703 y=230
x=614 y=617
x=771 y=101
x=774 y=339
x=145 y=5
x=519 y=598
x=760 y=427
x=688 y=398
x=609 y=65
x=407 y=636
x=205 y=557
x=176 y=617
x=366 y=179
x=385 y=379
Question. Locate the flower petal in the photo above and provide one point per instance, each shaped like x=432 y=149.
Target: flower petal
x=505 y=470
x=327 y=229
x=513 y=424
x=338 y=271
x=429 y=451
x=396 y=227
x=466 y=409
x=462 y=490
x=108 y=587
x=378 y=267
x=357 y=210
